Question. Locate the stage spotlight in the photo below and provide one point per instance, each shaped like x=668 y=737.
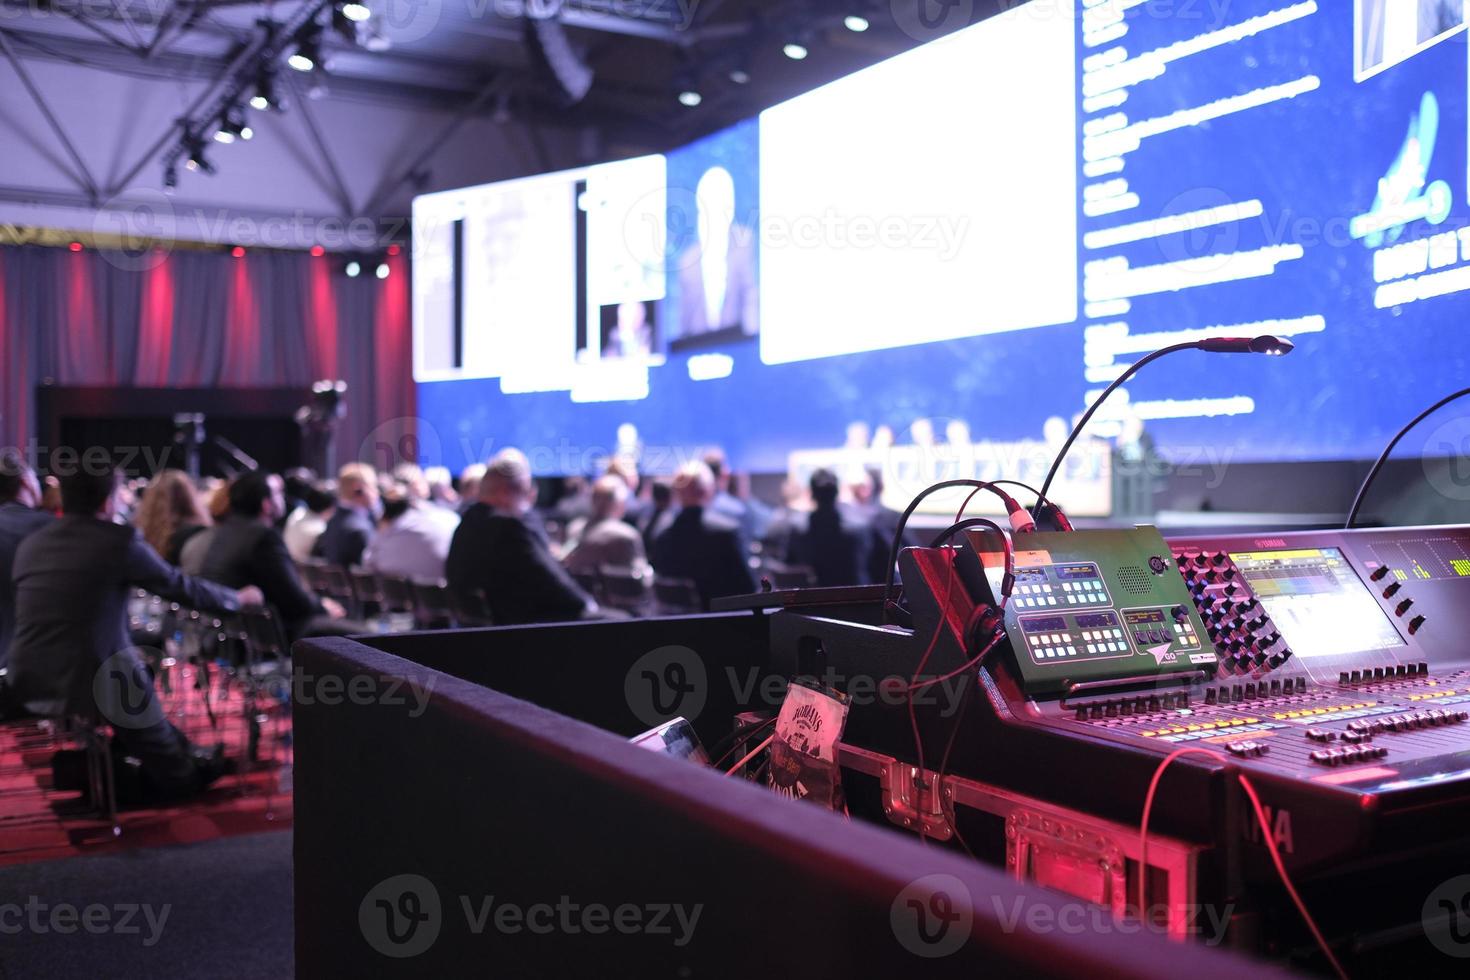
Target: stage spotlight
x=383 y=270
x=739 y=76
x=356 y=12
x=238 y=252
x=265 y=96
x=690 y=98
x=308 y=53
x=195 y=159
x=856 y=23
x=317 y=251
x=234 y=127
x=75 y=246
x=353 y=269
x=795 y=51
x=394 y=249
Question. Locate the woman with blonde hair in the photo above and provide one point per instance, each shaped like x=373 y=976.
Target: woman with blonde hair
x=170 y=513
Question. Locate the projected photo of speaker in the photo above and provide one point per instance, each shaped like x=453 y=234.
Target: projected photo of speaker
x=1391 y=31
x=628 y=330
x=552 y=53
x=713 y=241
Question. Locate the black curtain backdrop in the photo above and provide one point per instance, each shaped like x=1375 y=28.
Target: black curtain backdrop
x=191 y=319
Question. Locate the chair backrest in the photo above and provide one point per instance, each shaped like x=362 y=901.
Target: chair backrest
x=367 y=585
x=433 y=603
x=262 y=631
x=784 y=576
x=676 y=595
x=311 y=574
x=336 y=583
x=625 y=588
x=396 y=593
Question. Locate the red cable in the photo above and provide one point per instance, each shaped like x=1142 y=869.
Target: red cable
x=1266 y=835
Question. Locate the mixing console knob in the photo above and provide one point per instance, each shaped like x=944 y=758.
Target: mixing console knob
x=1357 y=676
x=1180 y=614
x=1400 y=670
x=1344 y=678
x=1082 y=713
x=1275 y=688
x=1154 y=704
x=1237 y=693
x=1379 y=573
x=1423 y=668
x=1402 y=607
x=1210 y=695
x=1378 y=673
x=1140 y=705
x=1097 y=711
x=1414 y=624
x=1218 y=559
x=1250 y=691
x=1392 y=589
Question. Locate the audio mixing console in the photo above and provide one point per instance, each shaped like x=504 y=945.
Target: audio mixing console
x=1331 y=668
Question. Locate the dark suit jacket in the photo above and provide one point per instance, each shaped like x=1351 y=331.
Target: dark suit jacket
x=835 y=543
x=73 y=580
x=707 y=548
x=16 y=523
x=508 y=560
x=348 y=533
x=243 y=552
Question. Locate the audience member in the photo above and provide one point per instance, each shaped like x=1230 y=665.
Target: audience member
x=415 y=484
x=469 y=485
x=835 y=542
x=498 y=553
x=659 y=513
x=20 y=496
x=246 y=549
x=788 y=519
x=745 y=510
x=637 y=507
x=441 y=488
x=349 y=531
x=171 y=513
x=412 y=541
x=607 y=540
x=701 y=544
x=305 y=524
x=73 y=580
x=883 y=522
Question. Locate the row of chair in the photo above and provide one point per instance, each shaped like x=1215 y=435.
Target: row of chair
x=429 y=604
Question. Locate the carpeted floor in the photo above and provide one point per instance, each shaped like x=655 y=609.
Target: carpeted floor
x=216 y=909
x=199 y=889
x=38 y=822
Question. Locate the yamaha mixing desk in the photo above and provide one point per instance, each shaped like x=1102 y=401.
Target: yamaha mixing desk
x=1331 y=669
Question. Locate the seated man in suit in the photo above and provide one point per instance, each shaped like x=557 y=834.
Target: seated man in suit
x=699 y=544
x=246 y=549
x=835 y=541
x=501 y=554
x=72 y=653
x=350 y=529
x=607 y=540
x=20 y=495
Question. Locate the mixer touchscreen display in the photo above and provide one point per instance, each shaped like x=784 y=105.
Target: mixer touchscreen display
x=1317 y=601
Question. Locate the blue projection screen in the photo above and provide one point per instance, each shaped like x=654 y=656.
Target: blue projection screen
x=987 y=230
